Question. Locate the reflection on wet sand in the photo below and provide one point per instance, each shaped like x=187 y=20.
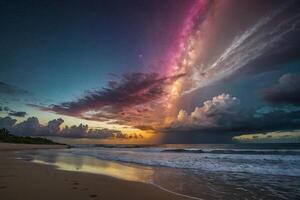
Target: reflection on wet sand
x=209 y=185
x=92 y=165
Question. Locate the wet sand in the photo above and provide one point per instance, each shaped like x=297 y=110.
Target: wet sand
x=16 y=147
x=23 y=180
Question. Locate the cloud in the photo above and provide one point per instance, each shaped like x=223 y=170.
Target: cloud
x=286 y=91
x=53 y=127
x=225 y=114
x=127 y=100
x=210 y=115
x=131 y=136
x=32 y=127
x=7 y=122
x=223 y=117
x=255 y=43
x=6 y=108
x=276 y=136
x=83 y=131
x=17 y=113
x=12 y=112
x=144 y=127
x=11 y=90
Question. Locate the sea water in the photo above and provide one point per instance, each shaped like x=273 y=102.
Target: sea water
x=204 y=171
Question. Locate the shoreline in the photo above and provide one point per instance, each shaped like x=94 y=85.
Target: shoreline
x=41 y=181
x=17 y=147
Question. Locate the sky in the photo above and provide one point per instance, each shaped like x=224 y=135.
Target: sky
x=171 y=71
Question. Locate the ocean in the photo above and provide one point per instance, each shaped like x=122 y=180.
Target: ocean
x=201 y=171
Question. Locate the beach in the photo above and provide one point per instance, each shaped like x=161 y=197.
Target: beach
x=199 y=171
x=18 y=147
x=23 y=180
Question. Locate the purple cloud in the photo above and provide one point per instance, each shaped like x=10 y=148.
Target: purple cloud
x=122 y=100
x=32 y=127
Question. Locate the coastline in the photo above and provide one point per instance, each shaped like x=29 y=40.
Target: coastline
x=17 y=147
x=20 y=179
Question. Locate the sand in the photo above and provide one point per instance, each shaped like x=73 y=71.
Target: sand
x=24 y=180
x=16 y=147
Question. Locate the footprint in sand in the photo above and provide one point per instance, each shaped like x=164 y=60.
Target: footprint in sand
x=75 y=184
x=93 y=195
x=2 y=187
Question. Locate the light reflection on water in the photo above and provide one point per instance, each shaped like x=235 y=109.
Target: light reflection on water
x=207 y=185
x=96 y=166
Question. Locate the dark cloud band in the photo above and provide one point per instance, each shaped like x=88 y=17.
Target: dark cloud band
x=286 y=91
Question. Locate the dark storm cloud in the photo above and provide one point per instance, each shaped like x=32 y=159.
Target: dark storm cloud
x=53 y=126
x=132 y=90
x=17 y=113
x=12 y=112
x=32 y=127
x=239 y=125
x=286 y=91
x=144 y=127
x=225 y=114
x=11 y=90
x=7 y=122
x=6 y=108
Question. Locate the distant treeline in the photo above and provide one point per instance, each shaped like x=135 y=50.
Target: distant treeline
x=7 y=137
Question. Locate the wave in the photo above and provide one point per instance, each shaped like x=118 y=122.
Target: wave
x=199 y=159
x=115 y=145
x=234 y=151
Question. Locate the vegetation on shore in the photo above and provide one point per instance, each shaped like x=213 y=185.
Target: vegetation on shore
x=7 y=137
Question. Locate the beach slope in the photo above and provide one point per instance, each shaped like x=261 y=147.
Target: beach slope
x=23 y=180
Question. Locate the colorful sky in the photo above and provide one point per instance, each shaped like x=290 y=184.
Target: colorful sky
x=173 y=71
